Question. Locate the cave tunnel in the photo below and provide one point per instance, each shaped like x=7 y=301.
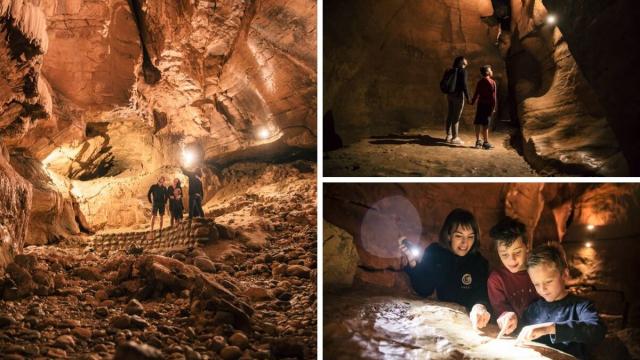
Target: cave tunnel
x=99 y=100
x=561 y=110
x=371 y=306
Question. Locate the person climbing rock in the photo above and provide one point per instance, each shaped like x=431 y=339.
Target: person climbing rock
x=171 y=196
x=456 y=94
x=196 y=192
x=157 y=196
x=486 y=95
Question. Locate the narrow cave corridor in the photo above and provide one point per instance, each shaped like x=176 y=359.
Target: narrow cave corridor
x=555 y=113
x=99 y=102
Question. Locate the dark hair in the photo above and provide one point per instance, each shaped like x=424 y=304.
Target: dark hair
x=456 y=218
x=457 y=62
x=484 y=70
x=507 y=231
x=547 y=254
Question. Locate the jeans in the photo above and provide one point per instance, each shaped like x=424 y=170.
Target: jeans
x=195 y=206
x=456 y=104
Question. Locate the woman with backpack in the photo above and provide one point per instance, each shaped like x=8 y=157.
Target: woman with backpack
x=454 y=84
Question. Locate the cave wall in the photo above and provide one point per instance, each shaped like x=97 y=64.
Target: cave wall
x=15 y=206
x=383 y=61
x=609 y=66
x=376 y=215
x=369 y=218
x=563 y=124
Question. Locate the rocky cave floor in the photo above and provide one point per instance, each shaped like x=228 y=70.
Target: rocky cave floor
x=363 y=324
x=423 y=152
x=229 y=299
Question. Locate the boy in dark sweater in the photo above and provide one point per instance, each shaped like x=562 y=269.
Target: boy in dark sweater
x=560 y=320
x=510 y=288
x=157 y=196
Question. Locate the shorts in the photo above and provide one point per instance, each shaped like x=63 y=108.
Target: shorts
x=157 y=209
x=483 y=114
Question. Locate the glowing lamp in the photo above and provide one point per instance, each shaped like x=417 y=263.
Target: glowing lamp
x=590 y=227
x=551 y=19
x=263 y=133
x=415 y=252
x=188 y=157
x=588 y=244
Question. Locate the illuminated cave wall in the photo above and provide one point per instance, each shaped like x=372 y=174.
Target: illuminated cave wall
x=97 y=100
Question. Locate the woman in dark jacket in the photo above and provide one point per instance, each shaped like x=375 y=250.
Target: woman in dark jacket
x=456 y=100
x=453 y=267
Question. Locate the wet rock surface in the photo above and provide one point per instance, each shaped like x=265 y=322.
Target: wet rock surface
x=368 y=326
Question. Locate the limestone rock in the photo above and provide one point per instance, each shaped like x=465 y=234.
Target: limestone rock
x=340 y=258
x=137 y=351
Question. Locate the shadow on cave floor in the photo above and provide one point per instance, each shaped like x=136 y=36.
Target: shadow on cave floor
x=423 y=152
x=366 y=325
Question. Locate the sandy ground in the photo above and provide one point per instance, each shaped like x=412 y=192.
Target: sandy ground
x=423 y=152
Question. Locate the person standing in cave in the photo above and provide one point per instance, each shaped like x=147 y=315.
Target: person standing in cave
x=175 y=206
x=171 y=196
x=196 y=192
x=453 y=267
x=157 y=196
x=456 y=94
x=487 y=98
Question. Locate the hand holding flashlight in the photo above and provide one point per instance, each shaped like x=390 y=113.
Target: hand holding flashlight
x=411 y=251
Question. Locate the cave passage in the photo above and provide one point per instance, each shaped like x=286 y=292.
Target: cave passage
x=386 y=111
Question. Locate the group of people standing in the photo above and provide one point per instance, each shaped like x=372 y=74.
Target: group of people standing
x=454 y=84
x=528 y=291
x=158 y=195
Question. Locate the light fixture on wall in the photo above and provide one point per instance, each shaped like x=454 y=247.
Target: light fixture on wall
x=188 y=157
x=551 y=19
x=591 y=227
x=263 y=133
x=588 y=244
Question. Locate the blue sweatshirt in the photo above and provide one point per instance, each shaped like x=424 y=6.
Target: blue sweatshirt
x=458 y=279
x=577 y=323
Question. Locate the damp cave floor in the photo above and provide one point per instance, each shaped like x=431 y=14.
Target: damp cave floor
x=423 y=152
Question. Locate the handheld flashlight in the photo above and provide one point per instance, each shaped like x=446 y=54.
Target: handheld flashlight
x=413 y=250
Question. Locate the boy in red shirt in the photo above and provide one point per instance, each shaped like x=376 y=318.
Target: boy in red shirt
x=510 y=288
x=486 y=95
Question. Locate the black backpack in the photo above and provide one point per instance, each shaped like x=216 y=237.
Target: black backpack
x=448 y=82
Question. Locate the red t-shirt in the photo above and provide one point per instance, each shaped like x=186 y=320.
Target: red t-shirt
x=485 y=91
x=510 y=292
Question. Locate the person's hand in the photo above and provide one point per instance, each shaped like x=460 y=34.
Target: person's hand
x=508 y=322
x=533 y=332
x=479 y=316
x=402 y=245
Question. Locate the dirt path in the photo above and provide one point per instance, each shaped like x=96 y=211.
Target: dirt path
x=423 y=152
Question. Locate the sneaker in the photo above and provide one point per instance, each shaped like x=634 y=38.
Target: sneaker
x=448 y=138
x=487 y=145
x=478 y=144
x=457 y=141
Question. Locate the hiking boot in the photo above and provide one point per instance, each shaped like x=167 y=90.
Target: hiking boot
x=478 y=144
x=487 y=145
x=457 y=141
x=448 y=138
